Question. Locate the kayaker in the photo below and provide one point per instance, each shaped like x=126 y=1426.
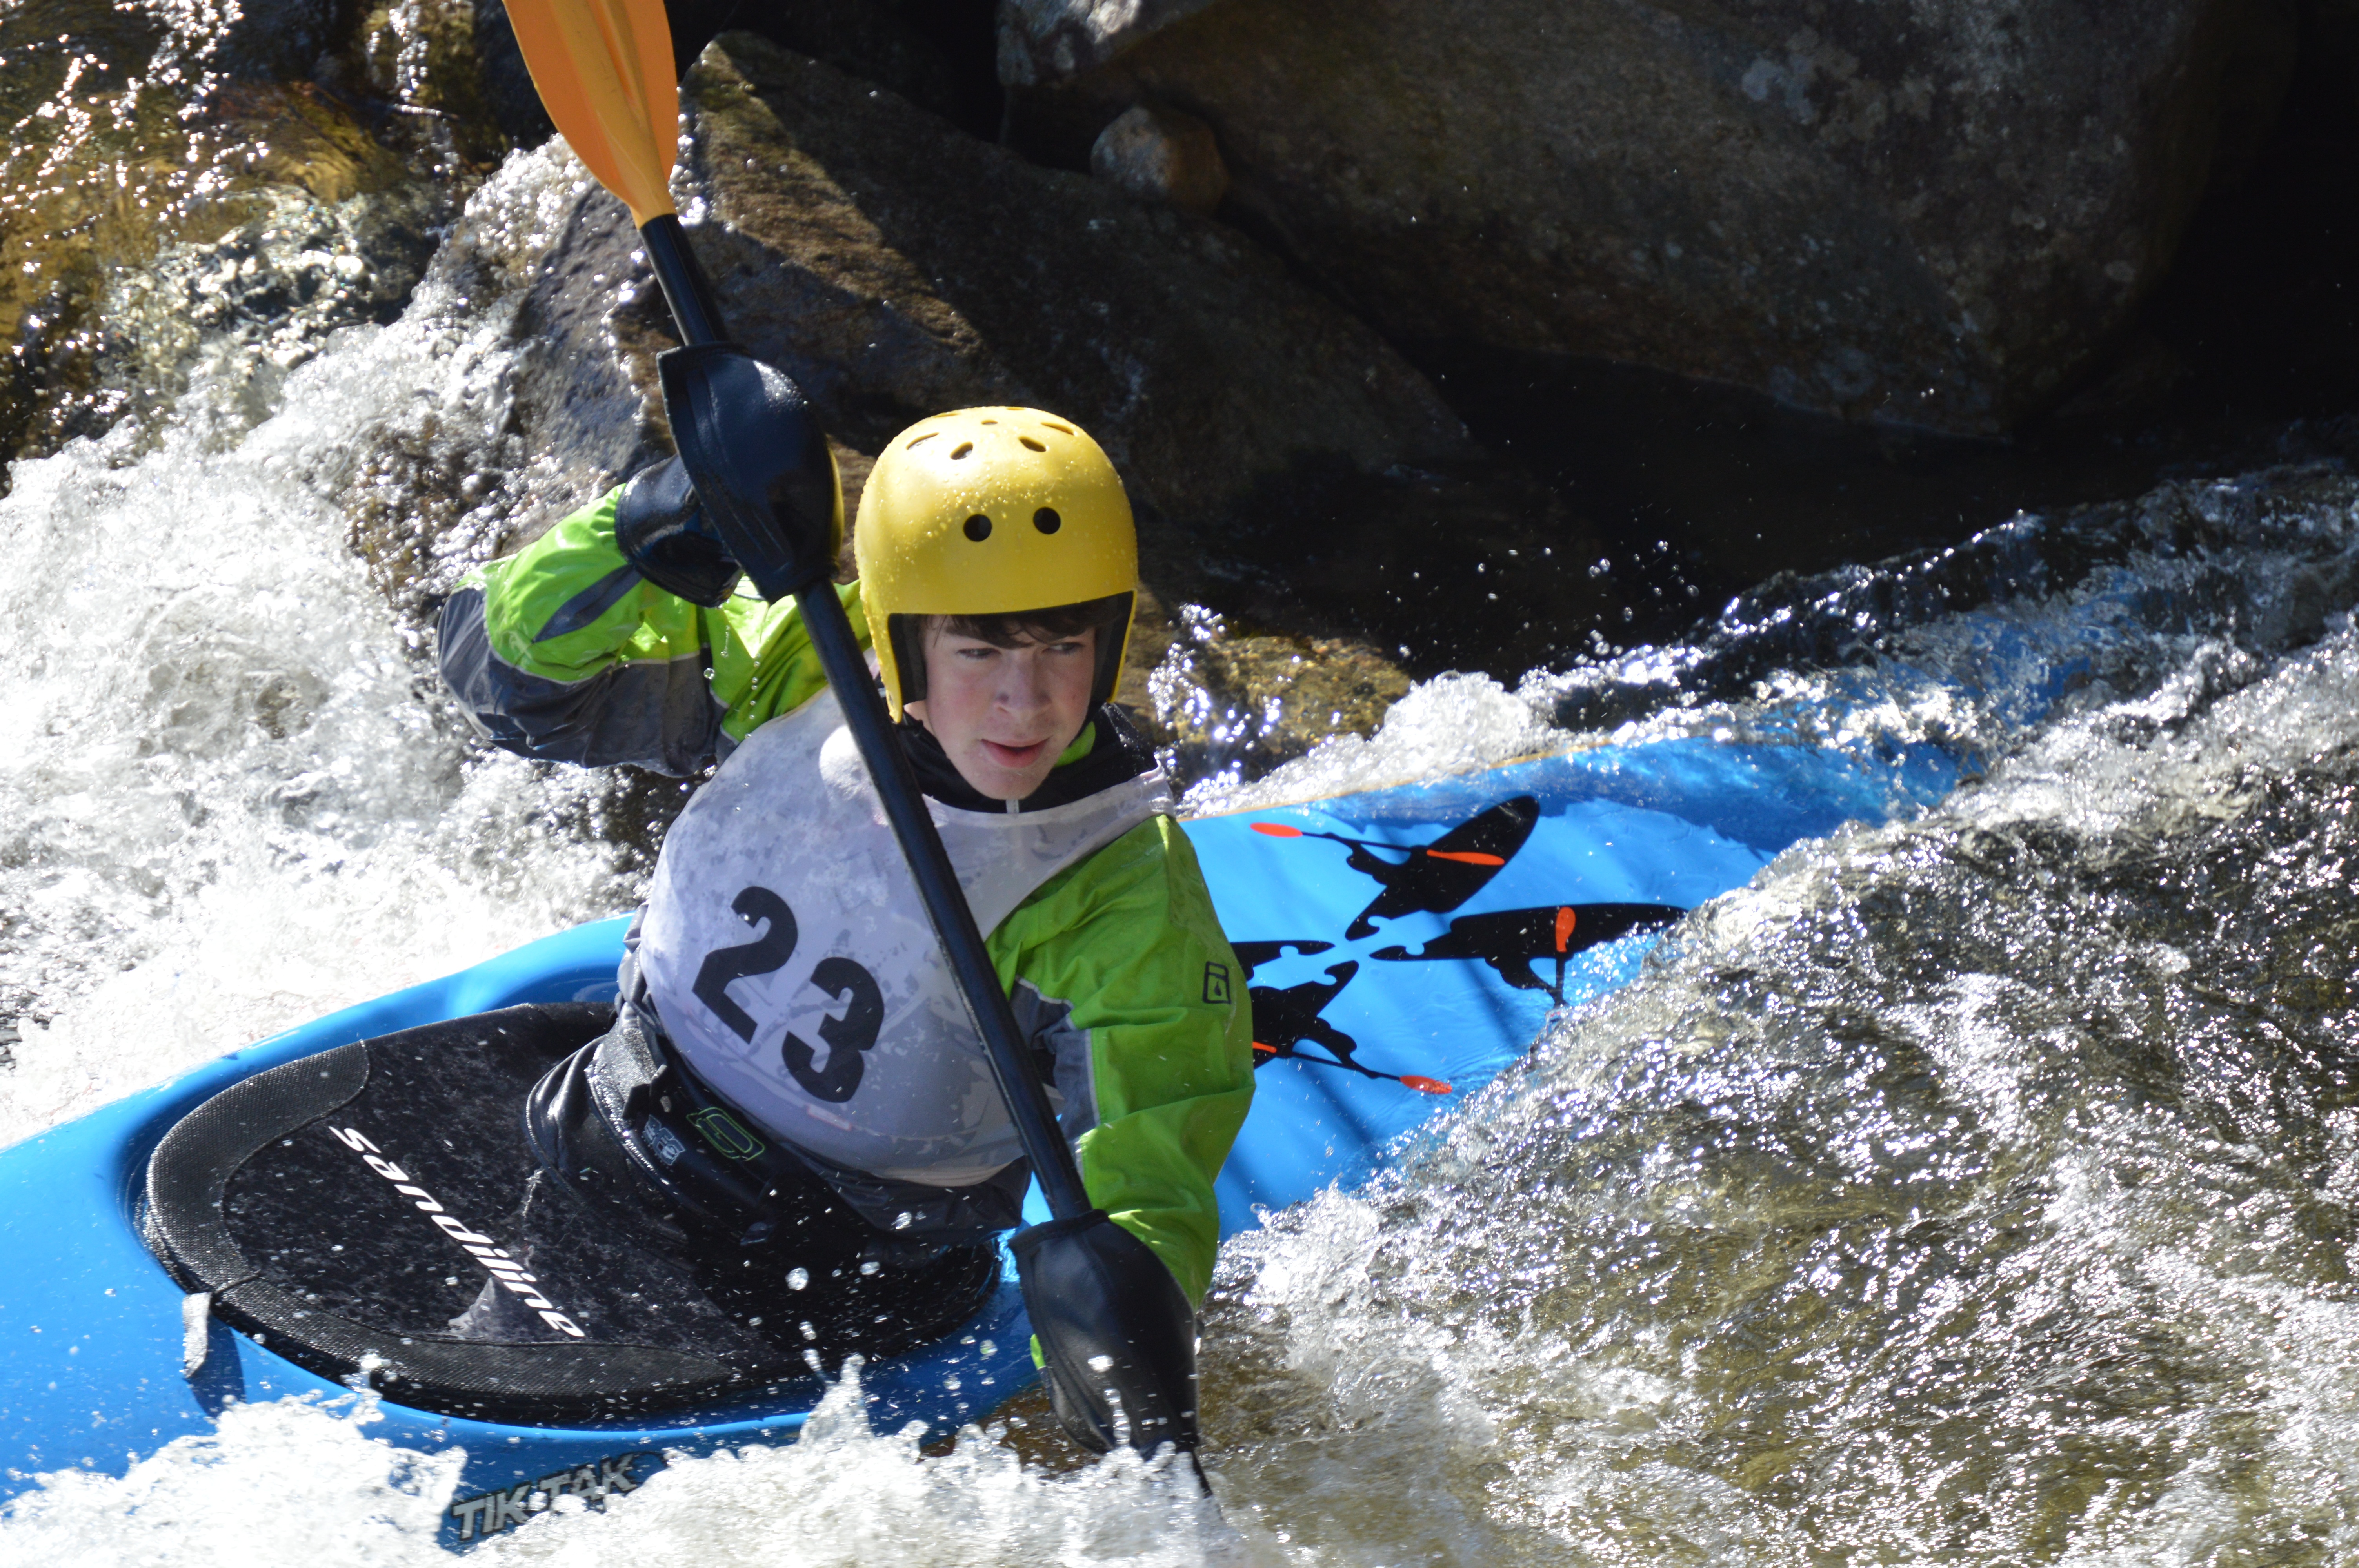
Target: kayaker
x=793 y=1095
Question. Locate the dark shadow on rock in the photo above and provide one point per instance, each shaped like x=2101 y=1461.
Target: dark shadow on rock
x=507 y=85
x=938 y=54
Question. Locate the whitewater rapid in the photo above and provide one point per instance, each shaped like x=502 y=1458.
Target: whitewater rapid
x=230 y=798
x=1973 y=1188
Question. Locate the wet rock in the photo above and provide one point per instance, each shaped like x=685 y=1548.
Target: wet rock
x=1932 y=214
x=442 y=79
x=507 y=88
x=1048 y=40
x=2333 y=41
x=307 y=224
x=1468 y=567
x=1162 y=154
x=588 y=327
x=1237 y=704
x=895 y=268
x=162 y=211
x=275 y=40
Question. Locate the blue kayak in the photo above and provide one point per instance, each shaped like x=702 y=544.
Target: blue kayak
x=1400 y=948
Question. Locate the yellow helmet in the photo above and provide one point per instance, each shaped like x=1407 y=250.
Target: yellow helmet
x=991 y=511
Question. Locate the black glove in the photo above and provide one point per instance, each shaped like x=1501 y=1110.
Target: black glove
x=760 y=464
x=1118 y=1336
x=665 y=536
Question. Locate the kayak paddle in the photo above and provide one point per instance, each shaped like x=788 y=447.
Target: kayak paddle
x=1117 y=1333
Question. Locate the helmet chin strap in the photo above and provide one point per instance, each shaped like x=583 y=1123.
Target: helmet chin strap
x=1114 y=641
x=908 y=657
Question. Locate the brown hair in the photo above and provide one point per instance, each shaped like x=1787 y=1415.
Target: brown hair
x=1034 y=625
x=1109 y=615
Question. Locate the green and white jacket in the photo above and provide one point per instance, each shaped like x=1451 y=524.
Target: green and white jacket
x=1117 y=965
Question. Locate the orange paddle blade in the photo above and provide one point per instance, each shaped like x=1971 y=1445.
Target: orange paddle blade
x=1470 y=857
x=1277 y=829
x=1424 y=1085
x=604 y=69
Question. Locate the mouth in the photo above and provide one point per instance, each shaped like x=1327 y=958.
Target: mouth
x=1015 y=758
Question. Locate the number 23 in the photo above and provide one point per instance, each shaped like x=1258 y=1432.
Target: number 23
x=848 y=1036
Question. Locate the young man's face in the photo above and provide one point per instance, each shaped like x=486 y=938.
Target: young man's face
x=1004 y=715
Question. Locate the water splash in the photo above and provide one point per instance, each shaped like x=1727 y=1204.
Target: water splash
x=232 y=796
x=178 y=195
x=1974 y=1189
x=296 y=1481
x=1450 y=724
x=845 y=1494
x=290 y=1482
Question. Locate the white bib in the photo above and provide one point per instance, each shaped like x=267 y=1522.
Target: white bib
x=794 y=967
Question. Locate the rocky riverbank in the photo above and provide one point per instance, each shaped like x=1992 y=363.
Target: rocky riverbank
x=1323 y=278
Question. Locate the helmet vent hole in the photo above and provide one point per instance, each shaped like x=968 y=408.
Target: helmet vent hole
x=1047 y=520
x=1062 y=429
x=978 y=527
x=988 y=421
x=1028 y=442
x=962 y=449
x=923 y=439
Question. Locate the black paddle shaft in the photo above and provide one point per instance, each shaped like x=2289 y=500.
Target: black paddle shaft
x=682 y=280
x=690 y=298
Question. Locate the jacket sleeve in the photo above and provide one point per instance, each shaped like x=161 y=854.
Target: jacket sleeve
x=563 y=651
x=1119 y=969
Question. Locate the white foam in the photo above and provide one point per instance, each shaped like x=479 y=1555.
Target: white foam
x=1453 y=723
x=292 y=1482
x=231 y=796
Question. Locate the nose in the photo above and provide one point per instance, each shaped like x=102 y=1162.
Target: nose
x=1023 y=683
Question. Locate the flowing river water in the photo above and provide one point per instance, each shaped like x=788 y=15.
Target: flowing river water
x=1973 y=1188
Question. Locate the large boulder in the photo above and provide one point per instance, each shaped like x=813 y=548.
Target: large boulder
x=1929 y=211
x=896 y=266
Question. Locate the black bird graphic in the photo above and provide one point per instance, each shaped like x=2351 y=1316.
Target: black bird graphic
x=1253 y=955
x=1283 y=1020
x=1511 y=939
x=1437 y=877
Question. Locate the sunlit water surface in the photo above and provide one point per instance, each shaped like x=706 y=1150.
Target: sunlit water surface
x=1974 y=1188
